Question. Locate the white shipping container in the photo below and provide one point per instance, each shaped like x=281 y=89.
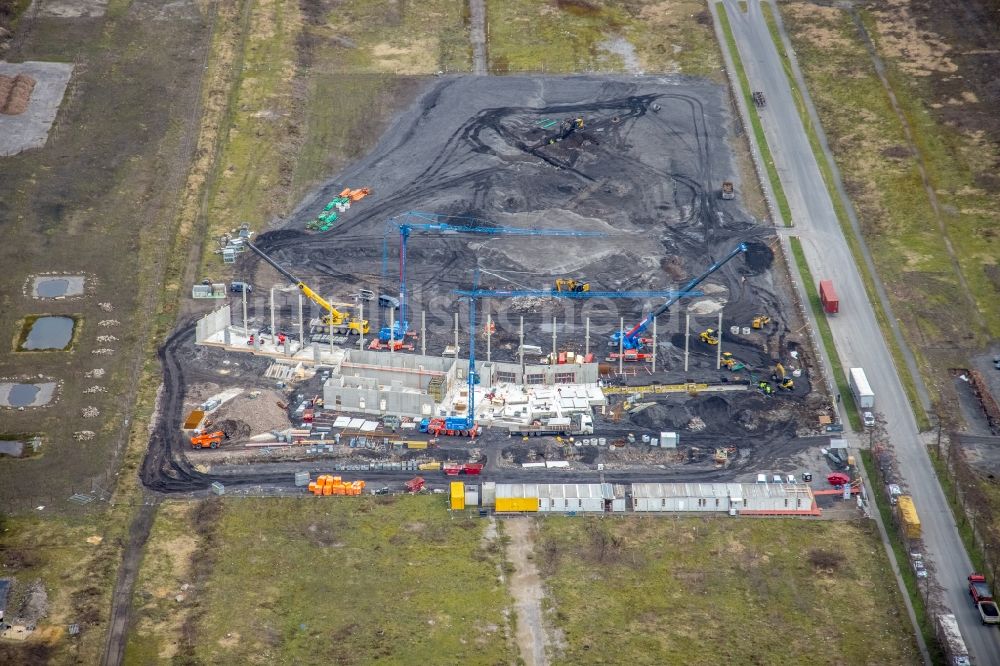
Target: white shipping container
x=668 y=440
x=471 y=496
x=618 y=505
x=489 y=493
x=862 y=390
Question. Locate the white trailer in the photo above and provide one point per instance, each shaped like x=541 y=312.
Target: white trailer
x=952 y=641
x=862 y=391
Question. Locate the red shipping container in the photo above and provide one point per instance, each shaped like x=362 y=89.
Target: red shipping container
x=828 y=296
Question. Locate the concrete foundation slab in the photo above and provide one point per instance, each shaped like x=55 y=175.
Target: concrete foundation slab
x=31 y=129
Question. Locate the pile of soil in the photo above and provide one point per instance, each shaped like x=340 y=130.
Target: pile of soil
x=261 y=414
x=15 y=93
x=235 y=430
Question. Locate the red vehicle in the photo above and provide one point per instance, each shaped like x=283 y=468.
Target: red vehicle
x=454 y=469
x=828 y=296
x=415 y=485
x=979 y=589
x=308 y=415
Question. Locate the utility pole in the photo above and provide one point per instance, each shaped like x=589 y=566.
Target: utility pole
x=687 y=338
x=456 y=336
x=274 y=333
x=718 y=346
x=361 y=330
x=392 y=333
x=302 y=331
x=521 y=350
x=246 y=329
x=489 y=336
x=423 y=333
x=586 y=344
x=331 y=332
x=621 y=344
x=555 y=354
x=654 y=344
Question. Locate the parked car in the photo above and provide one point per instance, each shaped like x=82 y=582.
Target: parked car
x=385 y=301
x=776 y=478
x=869 y=419
x=988 y=612
x=240 y=287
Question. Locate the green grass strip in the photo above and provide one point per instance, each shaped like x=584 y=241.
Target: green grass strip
x=909 y=383
x=825 y=334
x=758 y=130
x=964 y=526
x=903 y=559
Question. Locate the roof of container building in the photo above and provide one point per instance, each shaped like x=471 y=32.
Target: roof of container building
x=555 y=490
x=719 y=490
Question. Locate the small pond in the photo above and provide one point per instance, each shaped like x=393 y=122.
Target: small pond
x=26 y=395
x=57 y=287
x=48 y=333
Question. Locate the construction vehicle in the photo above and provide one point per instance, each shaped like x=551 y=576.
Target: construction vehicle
x=709 y=337
x=208 y=440
x=979 y=589
x=577 y=424
x=570 y=285
x=415 y=485
x=781 y=379
x=340 y=322
x=454 y=468
x=758 y=99
x=728 y=361
x=435 y=223
x=728 y=190
x=567 y=128
x=760 y=321
x=632 y=339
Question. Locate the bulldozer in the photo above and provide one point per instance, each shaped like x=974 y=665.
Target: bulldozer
x=572 y=286
x=782 y=380
x=709 y=337
x=208 y=440
x=760 y=321
x=729 y=362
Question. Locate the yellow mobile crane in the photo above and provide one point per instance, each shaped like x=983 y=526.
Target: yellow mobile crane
x=340 y=321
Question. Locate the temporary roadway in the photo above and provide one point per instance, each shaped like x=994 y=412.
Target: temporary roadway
x=856 y=333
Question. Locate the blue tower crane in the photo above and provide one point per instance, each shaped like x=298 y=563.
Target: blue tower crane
x=578 y=295
x=630 y=339
x=443 y=224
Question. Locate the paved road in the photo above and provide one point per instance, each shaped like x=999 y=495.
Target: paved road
x=855 y=330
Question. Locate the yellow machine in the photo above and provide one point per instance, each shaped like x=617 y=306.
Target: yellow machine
x=728 y=361
x=340 y=321
x=760 y=321
x=570 y=285
x=709 y=337
x=781 y=379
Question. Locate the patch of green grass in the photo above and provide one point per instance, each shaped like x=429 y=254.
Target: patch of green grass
x=659 y=590
x=351 y=580
x=909 y=383
x=902 y=555
x=825 y=334
x=572 y=36
x=781 y=201
x=964 y=526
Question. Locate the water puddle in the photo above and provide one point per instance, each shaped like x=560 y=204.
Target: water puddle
x=45 y=333
x=26 y=395
x=62 y=286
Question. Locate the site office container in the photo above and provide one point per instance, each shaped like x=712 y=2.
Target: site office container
x=472 y=495
x=517 y=504
x=828 y=296
x=457 y=495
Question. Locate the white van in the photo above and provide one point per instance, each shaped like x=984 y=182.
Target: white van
x=762 y=478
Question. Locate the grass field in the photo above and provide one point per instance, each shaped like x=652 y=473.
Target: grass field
x=569 y=36
x=882 y=176
x=654 y=590
x=321 y=581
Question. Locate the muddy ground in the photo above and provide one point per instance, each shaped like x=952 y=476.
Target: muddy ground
x=645 y=170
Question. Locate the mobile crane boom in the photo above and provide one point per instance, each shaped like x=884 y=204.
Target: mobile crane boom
x=334 y=316
x=630 y=339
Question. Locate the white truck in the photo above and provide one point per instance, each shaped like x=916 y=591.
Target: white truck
x=577 y=424
x=863 y=394
x=952 y=641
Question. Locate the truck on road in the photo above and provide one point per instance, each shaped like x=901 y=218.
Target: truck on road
x=861 y=389
x=952 y=641
x=577 y=424
x=828 y=297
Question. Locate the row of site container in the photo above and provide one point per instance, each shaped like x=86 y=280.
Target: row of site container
x=731 y=498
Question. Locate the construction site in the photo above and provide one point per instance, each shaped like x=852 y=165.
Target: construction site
x=542 y=278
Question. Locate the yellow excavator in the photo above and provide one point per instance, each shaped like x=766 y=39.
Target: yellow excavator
x=341 y=322
x=709 y=337
x=782 y=380
x=572 y=286
x=760 y=321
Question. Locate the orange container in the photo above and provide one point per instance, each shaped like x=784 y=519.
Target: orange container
x=327 y=490
x=312 y=486
x=336 y=479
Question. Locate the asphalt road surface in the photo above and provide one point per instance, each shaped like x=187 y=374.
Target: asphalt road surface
x=856 y=333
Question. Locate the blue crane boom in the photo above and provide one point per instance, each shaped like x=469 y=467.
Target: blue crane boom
x=443 y=224
x=630 y=339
